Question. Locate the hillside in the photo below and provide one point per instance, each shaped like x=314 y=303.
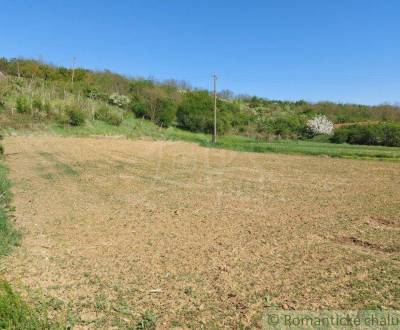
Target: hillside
x=35 y=95
x=110 y=219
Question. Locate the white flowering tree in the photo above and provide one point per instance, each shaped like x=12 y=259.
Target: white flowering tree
x=320 y=125
x=118 y=100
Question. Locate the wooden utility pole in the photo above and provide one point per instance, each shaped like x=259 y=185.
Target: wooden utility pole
x=214 y=139
x=73 y=70
x=19 y=74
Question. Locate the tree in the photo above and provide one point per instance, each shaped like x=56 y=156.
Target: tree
x=195 y=113
x=156 y=104
x=320 y=125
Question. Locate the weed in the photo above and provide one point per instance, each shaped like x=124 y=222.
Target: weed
x=66 y=169
x=16 y=314
x=147 y=321
x=188 y=291
x=109 y=116
x=23 y=105
x=76 y=116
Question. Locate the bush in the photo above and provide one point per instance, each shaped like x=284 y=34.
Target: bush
x=166 y=114
x=285 y=125
x=384 y=134
x=22 y=105
x=76 y=116
x=61 y=118
x=320 y=125
x=37 y=104
x=138 y=107
x=340 y=135
x=196 y=113
x=155 y=105
x=108 y=115
x=118 y=100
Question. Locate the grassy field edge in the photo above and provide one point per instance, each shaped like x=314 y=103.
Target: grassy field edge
x=15 y=313
x=134 y=128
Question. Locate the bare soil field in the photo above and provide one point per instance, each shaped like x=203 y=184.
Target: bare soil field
x=198 y=237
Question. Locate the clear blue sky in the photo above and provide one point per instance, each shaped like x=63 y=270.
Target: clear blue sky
x=338 y=50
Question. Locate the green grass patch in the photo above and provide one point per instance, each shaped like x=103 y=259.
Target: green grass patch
x=16 y=314
x=308 y=148
x=9 y=236
x=134 y=128
x=66 y=169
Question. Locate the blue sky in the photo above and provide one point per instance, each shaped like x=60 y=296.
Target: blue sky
x=338 y=50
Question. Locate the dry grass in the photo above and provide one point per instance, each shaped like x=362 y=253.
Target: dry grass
x=121 y=232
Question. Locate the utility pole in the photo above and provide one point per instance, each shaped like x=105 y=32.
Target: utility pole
x=214 y=138
x=19 y=74
x=73 y=70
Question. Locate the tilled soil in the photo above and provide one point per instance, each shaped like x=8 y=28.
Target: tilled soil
x=199 y=237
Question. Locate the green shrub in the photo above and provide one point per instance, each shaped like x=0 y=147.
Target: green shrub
x=196 y=113
x=108 y=115
x=156 y=105
x=76 y=115
x=166 y=113
x=384 y=134
x=23 y=105
x=37 y=104
x=16 y=314
x=118 y=100
x=47 y=107
x=340 y=135
x=147 y=321
x=391 y=133
x=62 y=118
x=138 y=107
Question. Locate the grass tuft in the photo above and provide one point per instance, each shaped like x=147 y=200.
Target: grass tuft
x=147 y=321
x=16 y=314
x=9 y=236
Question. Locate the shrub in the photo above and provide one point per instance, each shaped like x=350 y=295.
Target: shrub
x=320 y=125
x=391 y=133
x=118 y=100
x=37 y=104
x=340 y=135
x=196 y=113
x=76 y=116
x=22 y=105
x=285 y=125
x=166 y=113
x=108 y=115
x=47 y=107
x=61 y=118
x=147 y=321
x=138 y=107
x=385 y=134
